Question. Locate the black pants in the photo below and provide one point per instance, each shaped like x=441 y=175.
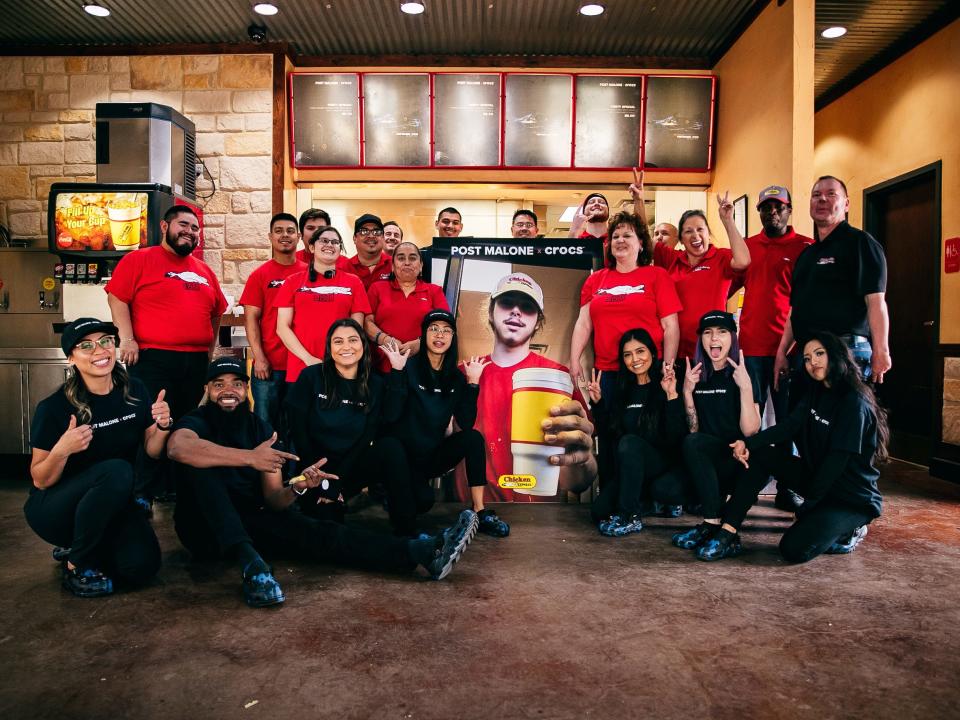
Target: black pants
x=211 y=519
x=93 y=514
x=642 y=472
x=183 y=376
x=714 y=472
x=815 y=530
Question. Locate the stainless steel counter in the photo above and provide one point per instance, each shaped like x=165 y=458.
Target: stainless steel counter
x=31 y=353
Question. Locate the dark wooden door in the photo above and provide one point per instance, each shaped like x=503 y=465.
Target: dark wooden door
x=904 y=217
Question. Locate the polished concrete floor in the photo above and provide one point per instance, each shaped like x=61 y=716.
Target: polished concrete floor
x=553 y=622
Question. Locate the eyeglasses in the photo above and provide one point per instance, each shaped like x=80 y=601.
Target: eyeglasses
x=440 y=330
x=89 y=346
x=327 y=241
x=524 y=225
x=366 y=232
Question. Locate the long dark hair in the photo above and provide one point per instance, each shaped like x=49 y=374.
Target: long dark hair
x=649 y=422
x=330 y=375
x=312 y=270
x=645 y=256
x=702 y=356
x=843 y=376
x=444 y=378
x=77 y=394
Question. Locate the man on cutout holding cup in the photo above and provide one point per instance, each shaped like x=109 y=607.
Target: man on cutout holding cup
x=534 y=422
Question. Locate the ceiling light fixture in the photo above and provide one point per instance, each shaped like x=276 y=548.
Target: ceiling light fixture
x=266 y=9
x=95 y=10
x=592 y=9
x=412 y=8
x=834 y=32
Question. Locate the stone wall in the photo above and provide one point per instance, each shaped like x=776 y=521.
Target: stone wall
x=951 y=400
x=47 y=135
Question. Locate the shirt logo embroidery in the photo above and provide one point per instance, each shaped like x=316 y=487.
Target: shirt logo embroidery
x=275 y=283
x=826 y=261
x=635 y=406
x=326 y=290
x=715 y=391
x=700 y=268
x=821 y=420
x=189 y=277
x=112 y=421
x=622 y=290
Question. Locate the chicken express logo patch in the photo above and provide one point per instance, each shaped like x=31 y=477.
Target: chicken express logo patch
x=517 y=482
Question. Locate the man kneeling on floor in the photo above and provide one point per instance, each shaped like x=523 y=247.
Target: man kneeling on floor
x=232 y=500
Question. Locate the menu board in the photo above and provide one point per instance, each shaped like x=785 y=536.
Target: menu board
x=538 y=129
x=608 y=121
x=678 y=119
x=396 y=120
x=466 y=119
x=326 y=120
x=100 y=221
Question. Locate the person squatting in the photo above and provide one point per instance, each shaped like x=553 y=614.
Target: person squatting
x=356 y=369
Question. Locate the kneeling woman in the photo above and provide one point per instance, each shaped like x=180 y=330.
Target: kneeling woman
x=336 y=410
x=436 y=392
x=841 y=434
x=718 y=400
x=85 y=438
x=646 y=421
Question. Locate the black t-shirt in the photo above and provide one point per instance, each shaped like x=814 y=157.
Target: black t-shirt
x=239 y=429
x=830 y=280
x=717 y=401
x=118 y=426
x=428 y=409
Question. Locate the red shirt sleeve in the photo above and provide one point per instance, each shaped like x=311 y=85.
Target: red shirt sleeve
x=253 y=290
x=437 y=298
x=373 y=295
x=288 y=290
x=725 y=255
x=662 y=255
x=589 y=287
x=668 y=302
x=123 y=283
x=361 y=303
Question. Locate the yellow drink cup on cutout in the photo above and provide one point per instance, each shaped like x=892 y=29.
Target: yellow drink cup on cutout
x=124 y=227
x=535 y=391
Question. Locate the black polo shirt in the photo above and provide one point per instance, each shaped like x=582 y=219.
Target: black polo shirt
x=830 y=280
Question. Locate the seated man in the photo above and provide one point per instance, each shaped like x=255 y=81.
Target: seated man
x=232 y=501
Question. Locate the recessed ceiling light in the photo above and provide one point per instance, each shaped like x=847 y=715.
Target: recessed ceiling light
x=412 y=8
x=266 y=9
x=591 y=9
x=834 y=32
x=95 y=10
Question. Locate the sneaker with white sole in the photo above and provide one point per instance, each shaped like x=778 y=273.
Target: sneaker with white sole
x=454 y=541
x=848 y=543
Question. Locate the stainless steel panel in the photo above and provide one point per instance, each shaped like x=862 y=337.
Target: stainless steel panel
x=18 y=354
x=12 y=416
x=43 y=379
x=23 y=323
x=159 y=149
x=129 y=159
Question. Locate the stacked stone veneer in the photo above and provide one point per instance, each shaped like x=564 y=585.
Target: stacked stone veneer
x=951 y=400
x=47 y=135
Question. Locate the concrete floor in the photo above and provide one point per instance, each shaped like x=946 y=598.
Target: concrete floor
x=553 y=622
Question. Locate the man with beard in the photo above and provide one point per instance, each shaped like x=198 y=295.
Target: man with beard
x=167 y=306
x=232 y=501
x=260 y=318
x=515 y=316
x=371 y=262
x=591 y=218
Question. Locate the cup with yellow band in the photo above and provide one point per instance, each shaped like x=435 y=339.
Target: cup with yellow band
x=535 y=391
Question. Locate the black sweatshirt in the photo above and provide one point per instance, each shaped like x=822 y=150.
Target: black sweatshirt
x=673 y=423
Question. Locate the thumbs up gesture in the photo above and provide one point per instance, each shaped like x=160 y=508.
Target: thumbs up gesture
x=76 y=438
x=160 y=411
x=265 y=458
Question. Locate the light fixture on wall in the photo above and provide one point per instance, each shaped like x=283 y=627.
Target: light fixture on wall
x=412 y=7
x=95 y=10
x=592 y=9
x=834 y=32
x=266 y=9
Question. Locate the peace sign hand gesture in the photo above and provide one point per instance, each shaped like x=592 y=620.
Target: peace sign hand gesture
x=725 y=207
x=636 y=187
x=593 y=387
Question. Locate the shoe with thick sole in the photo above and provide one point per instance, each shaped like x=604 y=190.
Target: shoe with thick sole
x=723 y=544
x=61 y=553
x=491 y=524
x=465 y=526
x=787 y=500
x=454 y=541
x=695 y=536
x=606 y=527
x=667 y=511
x=848 y=543
x=87 y=583
x=261 y=589
x=628 y=526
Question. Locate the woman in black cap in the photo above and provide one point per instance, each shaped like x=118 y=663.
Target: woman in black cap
x=436 y=392
x=646 y=421
x=85 y=438
x=841 y=434
x=718 y=401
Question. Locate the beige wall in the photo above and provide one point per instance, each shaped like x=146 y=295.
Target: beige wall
x=902 y=118
x=47 y=135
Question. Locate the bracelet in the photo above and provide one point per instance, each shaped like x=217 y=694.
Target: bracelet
x=166 y=427
x=376 y=338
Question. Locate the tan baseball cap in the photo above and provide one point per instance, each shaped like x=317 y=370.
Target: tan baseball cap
x=521 y=283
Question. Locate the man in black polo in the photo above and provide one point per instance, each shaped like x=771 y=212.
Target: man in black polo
x=839 y=285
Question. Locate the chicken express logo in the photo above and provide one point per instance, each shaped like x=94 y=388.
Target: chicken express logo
x=517 y=482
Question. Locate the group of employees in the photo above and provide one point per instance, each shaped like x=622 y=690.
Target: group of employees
x=358 y=385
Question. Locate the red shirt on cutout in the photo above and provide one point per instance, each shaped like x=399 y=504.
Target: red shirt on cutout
x=173 y=300
x=701 y=288
x=494 y=421
x=400 y=316
x=261 y=291
x=768 y=279
x=623 y=301
x=316 y=306
x=381 y=271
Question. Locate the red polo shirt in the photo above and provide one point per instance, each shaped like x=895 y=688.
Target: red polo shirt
x=400 y=315
x=316 y=306
x=173 y=300
x=381 y=271
x=623 y=301
x=768 y=279
x=261 y=291
x=701 y=288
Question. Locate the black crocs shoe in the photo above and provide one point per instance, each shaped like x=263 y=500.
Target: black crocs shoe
x=787 y=500
x=492 y=525
x=454 y=541
x=261 y=589
x=695 y=536
x=87 y=583
x=61 y=553
x=720 y=545
x=848 y=543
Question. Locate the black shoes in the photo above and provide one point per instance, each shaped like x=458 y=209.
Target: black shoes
x=787 y=500
x=722 y=544
x=454 y=541
x=492 y=525
x=261 y=589
x=695 y=536
x=87 y=583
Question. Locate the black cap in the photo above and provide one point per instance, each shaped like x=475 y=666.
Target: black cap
x=227 y=365
x=438 y=316
x=364 y=219
x=717 y=318
x=75 y=331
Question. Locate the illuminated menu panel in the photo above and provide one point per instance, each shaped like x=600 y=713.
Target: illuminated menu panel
x=326 y=120
x=678 y=122
x=396 y=120
x=466 y=111
x=100 y=221
x=608 y=121
x=538 y=123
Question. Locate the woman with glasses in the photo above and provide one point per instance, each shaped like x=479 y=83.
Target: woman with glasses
x=436 y=391
x=85 y=438
x=311 y=300
x=398 y=305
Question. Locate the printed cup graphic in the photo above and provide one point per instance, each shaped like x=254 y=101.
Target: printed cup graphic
x=535 y=391
x=124 y=226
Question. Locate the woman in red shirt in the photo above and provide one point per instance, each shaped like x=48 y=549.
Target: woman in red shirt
x=398 y=305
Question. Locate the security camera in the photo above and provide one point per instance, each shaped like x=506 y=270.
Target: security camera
x=257 y=33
